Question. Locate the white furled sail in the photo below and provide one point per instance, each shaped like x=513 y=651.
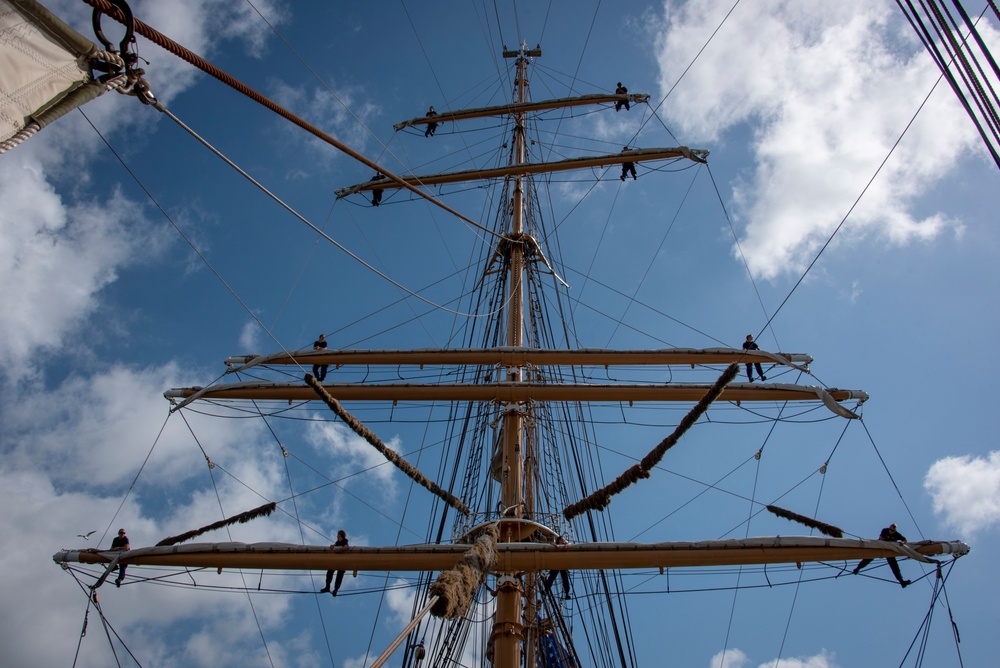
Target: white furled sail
x=45 y=70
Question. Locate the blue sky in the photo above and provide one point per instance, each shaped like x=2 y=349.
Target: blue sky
x=106 y=306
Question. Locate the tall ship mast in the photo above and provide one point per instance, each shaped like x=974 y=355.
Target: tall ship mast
x=521 y=564
x=517 y=506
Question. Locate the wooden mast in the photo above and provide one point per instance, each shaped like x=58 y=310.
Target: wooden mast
x=507 y=637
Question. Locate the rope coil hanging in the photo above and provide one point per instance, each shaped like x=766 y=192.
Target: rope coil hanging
x=364 y=432
x=242 y=518
x=456 y=588
x=828 y=529
x=600 y=499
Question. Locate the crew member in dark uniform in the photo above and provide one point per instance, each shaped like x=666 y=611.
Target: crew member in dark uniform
x=338 y=546
x=432 y=126
x=120 y=544
x=319 y=370
x=889 y=535
x=628 y=167
x=377 y=194
x=749 y=344
x=547 y=583
x=621 y=90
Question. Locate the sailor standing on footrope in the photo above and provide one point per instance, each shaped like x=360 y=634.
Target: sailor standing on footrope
x=319 y=370
x=750 y=344
x=889 y=535
x=120 y=544
x=339 y=546
x=621 y=90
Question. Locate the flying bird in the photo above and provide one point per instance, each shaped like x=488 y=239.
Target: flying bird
x=87 y=537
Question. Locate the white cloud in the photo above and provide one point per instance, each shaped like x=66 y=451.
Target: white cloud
x=250 y=336
x=55 y=258
x=346 y=113
x=44 y=519
x=353 y=453
x=966 y=491
x=730 y=658
x=96 y=430
x=204 y=27
x=736 y=658
x=821 y=660
x=825 y=96
x=65 y=446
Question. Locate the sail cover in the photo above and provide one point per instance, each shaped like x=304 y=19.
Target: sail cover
x=44 y=69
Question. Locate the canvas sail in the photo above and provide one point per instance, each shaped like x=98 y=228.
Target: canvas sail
x=44 y=70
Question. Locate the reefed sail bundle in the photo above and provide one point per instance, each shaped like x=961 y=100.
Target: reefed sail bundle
x=45 y=70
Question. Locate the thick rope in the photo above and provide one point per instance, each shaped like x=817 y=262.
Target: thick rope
x=364 y=432
x=22 y=135
x=599 y=499
x=828 y=529
x=242 y=518
x=456 y=588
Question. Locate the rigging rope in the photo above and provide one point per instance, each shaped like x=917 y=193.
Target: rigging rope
x=218 y=498
x=159 y=106
x=299 y=525
x=654 y=256
x=131 y=486
x=173 y=47
x=955 y=53
x=893 y=481
x=951 y=617
x=92 y=598
x=190 y=243
x=746 y=263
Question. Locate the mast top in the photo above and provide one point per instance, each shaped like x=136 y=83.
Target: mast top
x=523 y=50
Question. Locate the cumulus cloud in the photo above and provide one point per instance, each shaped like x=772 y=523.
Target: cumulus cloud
x=736 y=658
x=72 y=449
x=343 y=111
x=353 y=453
x=822 y=660
x=56 y=257
x=250 y=336
x=96 y=430
x=825 y=89
x=966 y=491
x=51 y=486
x=730 y=658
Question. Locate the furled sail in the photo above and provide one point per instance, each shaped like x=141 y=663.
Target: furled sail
x=45 y=70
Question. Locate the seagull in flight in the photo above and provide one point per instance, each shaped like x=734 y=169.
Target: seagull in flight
x=87 y=537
